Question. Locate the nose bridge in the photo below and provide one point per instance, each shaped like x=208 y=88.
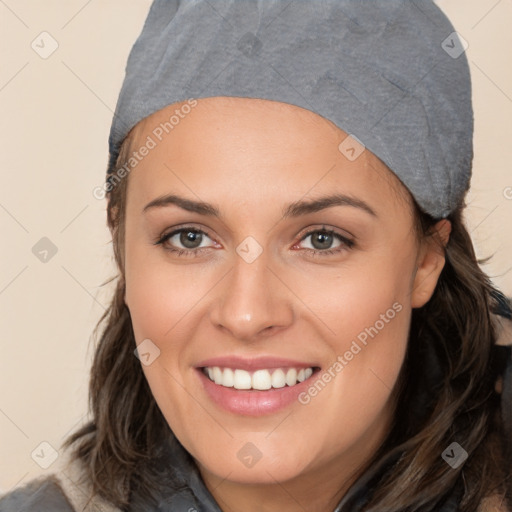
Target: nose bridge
x=252 y=300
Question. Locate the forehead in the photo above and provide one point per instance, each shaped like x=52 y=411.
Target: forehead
x=241 y=147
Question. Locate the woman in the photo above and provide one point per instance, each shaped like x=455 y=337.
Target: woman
x=300 y=322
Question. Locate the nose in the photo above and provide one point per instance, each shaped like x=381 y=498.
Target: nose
x=253 y=301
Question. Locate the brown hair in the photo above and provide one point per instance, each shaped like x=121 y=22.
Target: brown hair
x=445 y=391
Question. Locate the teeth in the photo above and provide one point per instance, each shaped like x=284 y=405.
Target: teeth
x=278 y=379
x=228 y=378
x=260 y=379
x=291 y=377
x=217 y=375
x=241 y=379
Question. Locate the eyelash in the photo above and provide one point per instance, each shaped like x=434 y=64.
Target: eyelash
x=346 y=243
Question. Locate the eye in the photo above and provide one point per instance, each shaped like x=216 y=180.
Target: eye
x=190 y=241
x=186 y=241
x=323 y=239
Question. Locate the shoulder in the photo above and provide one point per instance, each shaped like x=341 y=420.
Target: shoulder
x=504 y=330
x=67 y=489
x=43 y=495
x=493 y=503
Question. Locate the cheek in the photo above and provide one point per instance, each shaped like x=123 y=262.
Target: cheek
x=361 y=301
x=163 y=301
x=159 y=296
x=367 y=312
x=166 y=302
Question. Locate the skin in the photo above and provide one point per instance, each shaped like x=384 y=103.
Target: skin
x=251 y=158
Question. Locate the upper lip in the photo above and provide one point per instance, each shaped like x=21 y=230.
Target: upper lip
x=254 y=363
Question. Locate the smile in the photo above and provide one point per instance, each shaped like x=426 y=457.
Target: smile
x=261 y=380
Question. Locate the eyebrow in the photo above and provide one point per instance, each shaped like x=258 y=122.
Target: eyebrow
x=304 y=207
x=294 y=209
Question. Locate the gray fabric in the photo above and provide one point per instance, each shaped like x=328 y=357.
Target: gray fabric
x=390 y=72
x=38 y=496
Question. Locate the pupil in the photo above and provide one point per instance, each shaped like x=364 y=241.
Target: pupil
x=325 y=240
x=189 y=238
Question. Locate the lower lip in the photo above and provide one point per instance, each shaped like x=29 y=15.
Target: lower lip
x=253 y=402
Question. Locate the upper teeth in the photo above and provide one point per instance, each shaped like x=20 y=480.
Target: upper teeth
x=260 y=379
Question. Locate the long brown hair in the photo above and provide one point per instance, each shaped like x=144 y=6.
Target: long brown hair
x=446 y=390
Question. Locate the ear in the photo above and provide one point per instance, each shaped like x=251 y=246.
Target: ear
x=430 y=263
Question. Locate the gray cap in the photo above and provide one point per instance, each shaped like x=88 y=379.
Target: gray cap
x=391 y=73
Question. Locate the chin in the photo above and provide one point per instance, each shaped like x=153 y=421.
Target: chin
x=264 y=471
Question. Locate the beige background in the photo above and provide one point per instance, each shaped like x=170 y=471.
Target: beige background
x=55 y=116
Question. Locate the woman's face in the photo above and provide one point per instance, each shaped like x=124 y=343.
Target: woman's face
x=304 y=259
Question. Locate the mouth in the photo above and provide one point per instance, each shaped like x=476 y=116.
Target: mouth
x=254 y=386
x=259 y=380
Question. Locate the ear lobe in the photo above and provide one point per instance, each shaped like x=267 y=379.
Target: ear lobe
x=430 y=263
